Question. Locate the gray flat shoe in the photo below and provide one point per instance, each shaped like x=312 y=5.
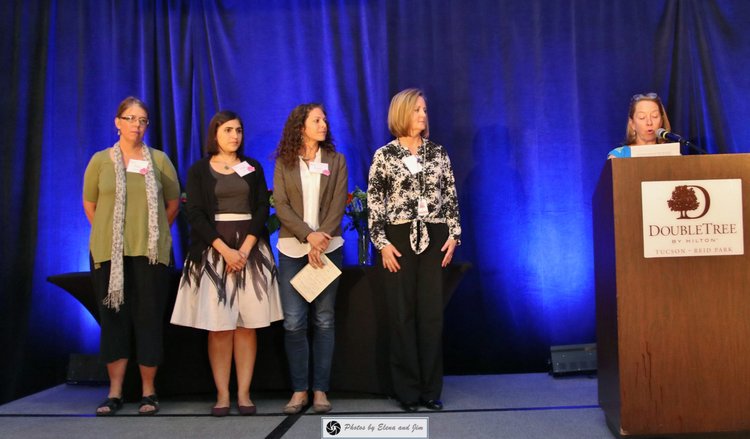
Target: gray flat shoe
x=293 y=409
x=322 y=408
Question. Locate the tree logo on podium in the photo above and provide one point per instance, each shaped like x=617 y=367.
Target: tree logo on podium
x=684 y=200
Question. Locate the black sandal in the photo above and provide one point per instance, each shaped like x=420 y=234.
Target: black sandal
x=151 y=400
x=113 y=404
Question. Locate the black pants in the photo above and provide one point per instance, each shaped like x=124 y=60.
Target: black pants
x=415 y=306
x=140 y=317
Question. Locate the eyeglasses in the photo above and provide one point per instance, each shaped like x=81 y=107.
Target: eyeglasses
x=142 y=121
x=640 y=96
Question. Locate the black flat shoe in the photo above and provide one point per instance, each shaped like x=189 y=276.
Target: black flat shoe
x=219 y=412
x=433 y=404
x=248 y=410
x=410 y=407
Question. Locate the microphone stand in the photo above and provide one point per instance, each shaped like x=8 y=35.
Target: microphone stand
x=692 y=146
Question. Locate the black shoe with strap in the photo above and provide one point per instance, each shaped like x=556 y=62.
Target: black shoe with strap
x=151 y=400
x=113 y=404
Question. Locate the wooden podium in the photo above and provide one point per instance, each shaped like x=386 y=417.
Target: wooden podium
x=673 y=333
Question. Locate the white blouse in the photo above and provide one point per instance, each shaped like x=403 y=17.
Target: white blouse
x=290 y=246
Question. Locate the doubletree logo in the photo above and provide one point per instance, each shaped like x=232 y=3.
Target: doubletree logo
x=684 y=200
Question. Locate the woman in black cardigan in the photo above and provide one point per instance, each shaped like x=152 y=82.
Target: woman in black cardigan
x=228 y=284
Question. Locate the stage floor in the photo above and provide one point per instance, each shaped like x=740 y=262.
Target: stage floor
x=476 y=406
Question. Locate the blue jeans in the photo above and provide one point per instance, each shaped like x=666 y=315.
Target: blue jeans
x=296 y=310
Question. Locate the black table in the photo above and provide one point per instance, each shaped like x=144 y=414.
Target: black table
x=360 y=359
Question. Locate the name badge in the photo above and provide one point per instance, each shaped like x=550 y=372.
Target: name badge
x=422 y=209
x=242 y=169
x=319 y=168
x=138 y=166
x=412 y=164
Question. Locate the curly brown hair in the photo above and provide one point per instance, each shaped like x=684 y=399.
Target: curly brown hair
x=291 y=137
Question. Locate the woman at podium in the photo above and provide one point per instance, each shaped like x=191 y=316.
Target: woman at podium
x=646 y=114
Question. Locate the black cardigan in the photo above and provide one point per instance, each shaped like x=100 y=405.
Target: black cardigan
x=202 y=204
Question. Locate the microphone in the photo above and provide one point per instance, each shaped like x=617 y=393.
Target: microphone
x=666 y=135
x=672 y=137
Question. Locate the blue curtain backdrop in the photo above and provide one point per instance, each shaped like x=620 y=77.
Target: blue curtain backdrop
x=527 y=96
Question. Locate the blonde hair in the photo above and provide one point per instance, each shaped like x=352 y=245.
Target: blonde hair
x=652 y=97
x=400 y=113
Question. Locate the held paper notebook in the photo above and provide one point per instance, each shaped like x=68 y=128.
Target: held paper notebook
x=310 y=282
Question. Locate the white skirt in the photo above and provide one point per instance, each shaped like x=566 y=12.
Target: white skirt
x=209 y=298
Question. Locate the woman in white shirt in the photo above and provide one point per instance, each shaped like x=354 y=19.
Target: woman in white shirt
x=310 y=191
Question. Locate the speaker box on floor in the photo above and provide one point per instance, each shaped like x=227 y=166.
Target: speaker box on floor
x=84 y=368
x=573 y=359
